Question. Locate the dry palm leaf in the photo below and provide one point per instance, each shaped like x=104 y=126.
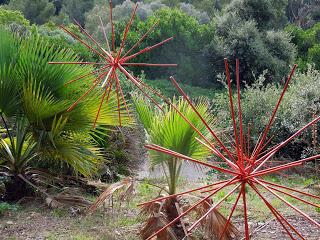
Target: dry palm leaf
x=215 y=222
x=126 y=183
x=153 y=224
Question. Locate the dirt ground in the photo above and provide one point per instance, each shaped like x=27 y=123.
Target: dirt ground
x=36 y=222
x=33 y=220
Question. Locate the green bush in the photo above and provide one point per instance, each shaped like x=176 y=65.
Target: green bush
x=8 y=17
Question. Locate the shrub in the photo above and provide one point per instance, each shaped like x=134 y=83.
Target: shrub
x=301 y=103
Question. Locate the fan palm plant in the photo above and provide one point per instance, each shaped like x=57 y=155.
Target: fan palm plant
x=170 y=130
x=37 y=91
x=167 y=128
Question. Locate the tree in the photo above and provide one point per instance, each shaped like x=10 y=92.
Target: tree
x=240 y=33
x=268 y=14
x=76 y=9
x=37 y=11
x=303 y=13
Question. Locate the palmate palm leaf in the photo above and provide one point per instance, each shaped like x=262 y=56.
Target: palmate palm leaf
x=9 y=91
x=169 y=129
x=8 y=48
x=32 y=63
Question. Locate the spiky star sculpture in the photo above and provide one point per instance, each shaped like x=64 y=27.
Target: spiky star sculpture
x=113 y=62
x=244 y=167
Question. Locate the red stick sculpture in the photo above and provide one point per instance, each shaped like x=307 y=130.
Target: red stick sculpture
x=243 y=166
x=113 y=61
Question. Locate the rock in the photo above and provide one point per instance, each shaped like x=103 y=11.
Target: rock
x=9 y=222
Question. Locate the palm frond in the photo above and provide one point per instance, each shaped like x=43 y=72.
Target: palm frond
x=39 y=104
x=9 y=91
x=126 y=183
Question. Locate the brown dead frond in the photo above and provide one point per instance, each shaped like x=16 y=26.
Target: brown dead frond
x=153 y=224
x=127 y=184
x=214 y=223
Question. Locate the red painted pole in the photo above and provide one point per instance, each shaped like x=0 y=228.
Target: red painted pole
x=80 y=63
x=94 y=41
x=212 y=208
x=127 y=30
x=84 y=43
x=99 y=79
x=141 y=39
x=240 y=115
x=122 y=96
x=231 y=164
x=276 y=108
x=287 y=203
x=291 y=189
x=105 y=34
x=230 y=216
x=182 y=193
x=86 y=75
x=147 y=49
x=230 y=182
x=112 y=27
x=295 y=197
x=246 y=224
x=183 y=157
x=277 y=214
x=150 y=64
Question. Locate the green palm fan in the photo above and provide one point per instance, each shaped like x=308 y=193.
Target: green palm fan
x=169 y=130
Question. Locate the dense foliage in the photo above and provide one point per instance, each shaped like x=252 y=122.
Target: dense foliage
x=308 y=43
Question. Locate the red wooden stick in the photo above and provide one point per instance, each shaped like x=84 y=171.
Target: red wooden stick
x=232 y=108
x=295 y=197
x=122 y=96
x=231 y=164
x=291 y=189
x=181 y=193
x=287 y=203
x=277 y=214
x=141 y=39
x=240 y=115
x=212 y=208
x=276 y=108
x=83 y=43
x=183 y=157
x=99 y=79
x=86 y=75
x=150 y=64
x=112 y=27
x=147 y=49
x=230 y=182
x=230 y=216
x=94 y=41
x=80 y=63
x=127 y=30
x=246 y=224
x=104 y=34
